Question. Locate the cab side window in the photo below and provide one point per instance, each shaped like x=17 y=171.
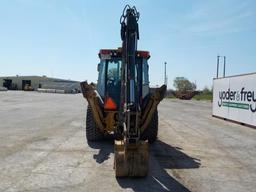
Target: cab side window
x=145 y=79
x=101 y=78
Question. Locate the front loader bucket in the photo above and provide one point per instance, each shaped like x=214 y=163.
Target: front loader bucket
x=131 y=160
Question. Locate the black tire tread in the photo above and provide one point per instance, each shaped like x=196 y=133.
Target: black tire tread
x=151 y=132
x=93 y=133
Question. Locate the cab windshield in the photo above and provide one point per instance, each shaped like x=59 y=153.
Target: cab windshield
x=109 y=81
x=113 y=79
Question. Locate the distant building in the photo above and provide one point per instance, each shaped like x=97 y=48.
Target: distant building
x=43 y=82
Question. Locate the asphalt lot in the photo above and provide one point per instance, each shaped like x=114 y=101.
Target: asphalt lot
x=43 y=148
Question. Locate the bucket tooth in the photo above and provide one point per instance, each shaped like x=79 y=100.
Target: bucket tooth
x=132 y=159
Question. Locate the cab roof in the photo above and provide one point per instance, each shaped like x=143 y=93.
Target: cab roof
x=118 y=53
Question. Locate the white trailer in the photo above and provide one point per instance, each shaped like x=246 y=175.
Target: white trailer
x=234 y=98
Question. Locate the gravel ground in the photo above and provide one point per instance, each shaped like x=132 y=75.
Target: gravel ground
x=43 y=148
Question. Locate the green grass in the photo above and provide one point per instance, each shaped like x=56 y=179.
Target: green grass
x=203 y=96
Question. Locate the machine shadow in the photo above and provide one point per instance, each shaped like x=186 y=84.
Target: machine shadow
x=162 y=157
x=170 y=157
x=105 y=147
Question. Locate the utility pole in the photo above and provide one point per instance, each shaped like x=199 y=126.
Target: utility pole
x=224 y=65
x=165 y=76
x=218 y=63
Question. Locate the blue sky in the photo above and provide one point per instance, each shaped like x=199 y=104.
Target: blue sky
x=61 y=38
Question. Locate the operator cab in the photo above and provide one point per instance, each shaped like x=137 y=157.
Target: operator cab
x=109 y=78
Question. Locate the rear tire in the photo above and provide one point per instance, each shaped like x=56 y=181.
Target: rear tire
x=151 y=132
x=93 y=133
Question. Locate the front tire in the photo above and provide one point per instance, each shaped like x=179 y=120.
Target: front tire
x=151 y=132
x=93 y=133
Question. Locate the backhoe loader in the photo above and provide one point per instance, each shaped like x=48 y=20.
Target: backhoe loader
x=122 y=103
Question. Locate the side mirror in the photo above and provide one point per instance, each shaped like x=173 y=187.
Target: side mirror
x=98 y=67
